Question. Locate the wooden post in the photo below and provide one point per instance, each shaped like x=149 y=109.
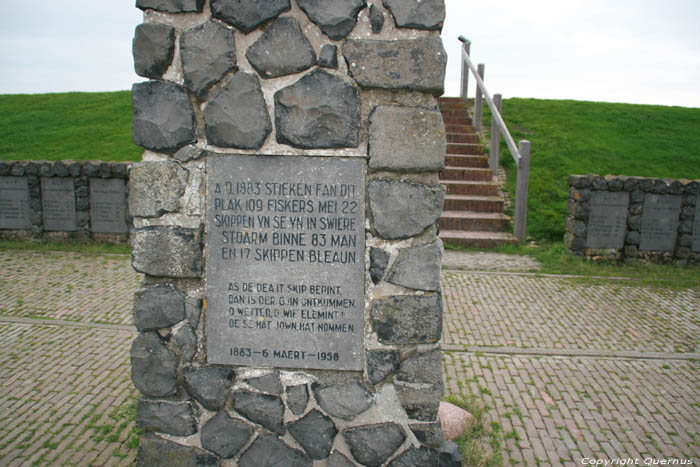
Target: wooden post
x=495 y=138
x=478 y=101
x=521 y=191
x=466 y=44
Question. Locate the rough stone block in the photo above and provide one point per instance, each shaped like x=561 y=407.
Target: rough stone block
x=336 y=18
x=283 y=49
x=153 y=366
x=417 y=14
x=403 y=209
x=176 y=418
x=208 y=385
x=428 y=433
x=153 y=48
x=450 y=455
x=171 y=6
x=247 y=15
x=297 y=398
x=158 y=306
x=156 y=451
x=376 y=19
x=339 y=460
x=167 y=251
x=421 y=367
x=345 y=401
x=373 y=444
x=163 y=116
x=269 y=383
x=328 y=58
x=270 y=451
x=416 y=457
x=380 y=364
x=408 y=319
x=378 y=262
x=156 y=188
x=225 y=436
x=318 y=111
x=315 y=433
x=208 y=53
x=237 y=117
x=412 y=64
x=406 y=139
x=418 y=267
x=263 y=409
x=421 y=402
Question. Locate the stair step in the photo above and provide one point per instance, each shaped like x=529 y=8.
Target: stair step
x=470 y=161
x=474 y=220
x=465 y=148
x=462 y=138
x=451 y=100
x=460 y=120
x=471 y=174
x=463 y=128
x=466 y=187
x=477 y=239
x=475 y=203
x=461 y=113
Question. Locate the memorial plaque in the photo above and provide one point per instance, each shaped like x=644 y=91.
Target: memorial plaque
x=607 y=221
x=107 y=206
x=14 y=203
x=696 y=226
x=58 y=203
x=660 y=222
x=285 y=261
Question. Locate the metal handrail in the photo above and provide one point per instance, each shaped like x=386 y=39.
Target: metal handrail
x=520 y=153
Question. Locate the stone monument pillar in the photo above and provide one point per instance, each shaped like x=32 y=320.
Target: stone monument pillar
x=285 y=218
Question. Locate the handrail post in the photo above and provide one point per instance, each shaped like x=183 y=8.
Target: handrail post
x=478 y=101
x=466 y=45
x=495 y=138
x=521 y=190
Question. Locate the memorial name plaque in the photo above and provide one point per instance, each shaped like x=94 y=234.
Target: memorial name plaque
x=107 y=206
x=58 y=203
x=14 y=203
x=285 y=261
x=607 y=220
x=660 y=222
x=696 y=226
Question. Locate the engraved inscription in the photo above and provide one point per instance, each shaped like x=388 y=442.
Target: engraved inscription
x=58 y=204
x=607 y=222
x=660 y=222
x=285 y=261
x=14 y=203
x=696 y=226
x=107 y=206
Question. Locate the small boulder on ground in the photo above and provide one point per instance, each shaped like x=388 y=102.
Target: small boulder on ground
x=454 y=420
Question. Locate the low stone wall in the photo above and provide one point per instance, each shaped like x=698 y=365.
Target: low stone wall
x=64 y=200
x=633 y=218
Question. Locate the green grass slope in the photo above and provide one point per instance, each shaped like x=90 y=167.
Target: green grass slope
x=80 y=126
x=575 y=137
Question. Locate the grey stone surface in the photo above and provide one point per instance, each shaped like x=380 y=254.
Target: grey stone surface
x=403 y=209
x=188 y=153
x=406 y=64
x=376 y=19
x=318 y=111
x=283 y=49
x=193 y=310
x=418 y=267
x=153 y=48
x=270 y=451
x=345 y=401
x=153 y=366
x=380 y=364
x=450 y=455
x=373 y=444
x=247 y=15
x=263 y=409
x=328 y=58
x=208 y=52
x=417 y=14
x=297 y=398
x=336 y=18
x=269 y=383
x=155 y=188
x=607 y=220
x=225 y=436
x=237 y=117
x=696 y=226
x=158 y=306
x=171 y=6
x=163 y=116
x=184 y=342
x=337 y=459
x=108 y=206
x=315 y=433
x=421 y=402
x=421 y=367
x=210 y=386
x=156 y=451
x=14 y=203
x=167 y=251
x=58 y=204
x=406 y=139
x=416 y=457
x=176 y=418
x=408 y=319
x=660 y=222
x=428 y=433
x=378 y=262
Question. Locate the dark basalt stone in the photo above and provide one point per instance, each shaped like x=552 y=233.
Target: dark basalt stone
x=153 y=366
x=158 y=306
x=380 y=364
x=176 y=418
x=336 y=18
x=416 y=457
x=328 y=58
x=345 y=401
x=297 y=398
x=315 y=433
x=408 y=319
x=247 y=15
x=269 y=383
x=208 y=53
x=225 y=436
x=208 y=385
x=270 y=451
x=167 y=251
x=373 y=444
x=156 y=451
x=171 y=6
x=417 y=14
x=418 y=267
x=263 y=409
x=153 y=48
x=378 y=262
x=281 y=50
x=376 y=19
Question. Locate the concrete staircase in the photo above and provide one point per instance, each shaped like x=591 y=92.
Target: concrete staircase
x=473 y=213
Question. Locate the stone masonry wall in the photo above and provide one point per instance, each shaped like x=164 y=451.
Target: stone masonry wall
x=649 y=219
x=336 y=78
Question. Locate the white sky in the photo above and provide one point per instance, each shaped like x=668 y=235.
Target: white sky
x=638 y=51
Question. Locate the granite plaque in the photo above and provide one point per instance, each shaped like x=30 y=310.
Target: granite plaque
x=107 y=206
x=14 y=203
x=285 y=261
x=696 y=226
x=58 y=203
x=660 y=222
x=607 y=221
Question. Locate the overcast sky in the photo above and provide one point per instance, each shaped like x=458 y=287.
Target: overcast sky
x=638 y=51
